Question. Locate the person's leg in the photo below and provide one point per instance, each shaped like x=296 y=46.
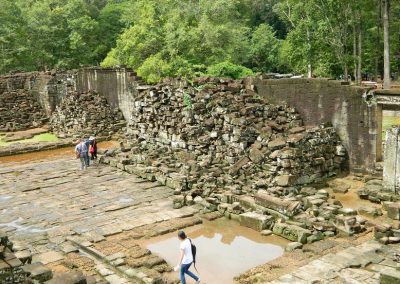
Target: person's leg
x=87 y=159
x=83 y=162
x=191 y=274
x=184 y=268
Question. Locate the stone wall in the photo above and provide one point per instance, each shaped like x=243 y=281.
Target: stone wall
x=321 y=101
x=118 y=85
x=317 y=101
x=27 y=99
x=86 y=114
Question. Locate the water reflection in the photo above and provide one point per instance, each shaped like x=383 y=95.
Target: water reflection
x=224 y=249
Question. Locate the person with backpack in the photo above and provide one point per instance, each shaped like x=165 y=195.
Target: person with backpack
x=187 y=257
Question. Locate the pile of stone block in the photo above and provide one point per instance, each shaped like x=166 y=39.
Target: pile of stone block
x=218 y=144
x=387 y=234
x=86 y=114
x=19 y=109
x=375 y=191
x=217 y=135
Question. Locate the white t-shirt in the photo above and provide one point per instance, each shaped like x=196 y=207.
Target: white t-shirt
x=187 y=251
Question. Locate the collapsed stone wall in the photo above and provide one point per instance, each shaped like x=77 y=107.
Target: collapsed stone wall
x=218 y=136
x=28 y=99
x=346 y=107
x=86 y=114
x=19 y=109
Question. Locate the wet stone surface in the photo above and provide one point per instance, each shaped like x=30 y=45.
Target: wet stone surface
x=58 y=213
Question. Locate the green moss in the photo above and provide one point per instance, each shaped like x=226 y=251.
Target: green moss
x=45 y=137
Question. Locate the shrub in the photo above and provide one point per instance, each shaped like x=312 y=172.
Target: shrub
x=228 y=69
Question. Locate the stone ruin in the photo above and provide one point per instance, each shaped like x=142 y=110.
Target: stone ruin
x=16 y=267
x=86 y=114
x=19 y=109
x=218 y=144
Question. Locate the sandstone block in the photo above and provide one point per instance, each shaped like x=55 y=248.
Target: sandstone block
x=291 y=232
x=256 y=221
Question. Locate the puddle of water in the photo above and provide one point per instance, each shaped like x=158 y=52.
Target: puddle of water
x=20 y=228
x=224 y=249
x=125 y=200
x=5 y=198
x=49 y=154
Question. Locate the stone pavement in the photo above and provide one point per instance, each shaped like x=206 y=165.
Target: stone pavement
x=46 y=205
x=363 y=264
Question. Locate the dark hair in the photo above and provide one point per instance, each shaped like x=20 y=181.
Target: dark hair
x=182 y=235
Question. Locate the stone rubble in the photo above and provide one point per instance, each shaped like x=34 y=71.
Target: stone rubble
x=86 y=114
x=218 y=144
x=16 y=267
x=19 y=109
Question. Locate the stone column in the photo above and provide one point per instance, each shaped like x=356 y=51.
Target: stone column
x=391 y=167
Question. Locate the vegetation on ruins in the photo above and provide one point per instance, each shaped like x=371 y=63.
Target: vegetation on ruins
x=186 y=38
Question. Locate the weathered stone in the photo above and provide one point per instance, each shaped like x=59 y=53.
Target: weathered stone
x=256 y=221
x=276 y=144
x=266 y=232
x=73 y=277
x=393 y=211
x=255 y=155
x=291 y=232
x=289 y=208
x=370 y=211
x=339 y=186
x=48 y=257
x=179 y=201
x=293 y=246
x=285 y=180
x=391 y=178
x=347 y=225
x=389 y=275
x=38 y=271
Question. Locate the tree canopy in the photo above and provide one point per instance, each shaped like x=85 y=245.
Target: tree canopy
x=187 y=38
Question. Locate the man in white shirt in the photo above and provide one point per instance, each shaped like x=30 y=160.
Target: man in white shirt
x=186 y=258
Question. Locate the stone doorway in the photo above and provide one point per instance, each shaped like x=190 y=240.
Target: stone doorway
x=387 y=115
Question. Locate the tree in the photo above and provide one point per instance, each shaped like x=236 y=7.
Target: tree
x=264 y=49
x=13 y=49
x=386 y=44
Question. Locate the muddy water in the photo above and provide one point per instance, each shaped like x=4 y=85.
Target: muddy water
x=50 y=154
x=224 y=250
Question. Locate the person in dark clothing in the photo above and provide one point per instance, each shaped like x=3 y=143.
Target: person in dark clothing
x=93 y=148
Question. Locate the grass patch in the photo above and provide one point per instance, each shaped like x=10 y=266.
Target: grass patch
x=44 y=137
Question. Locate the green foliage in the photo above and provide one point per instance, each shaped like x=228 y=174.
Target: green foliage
x=153 y=69
x=228 y=69
x=187 y=101
x=264 y=49
x=188 y=38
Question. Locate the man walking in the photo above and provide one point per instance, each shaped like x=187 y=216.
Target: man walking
x=81 y=151
x=186 y=258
